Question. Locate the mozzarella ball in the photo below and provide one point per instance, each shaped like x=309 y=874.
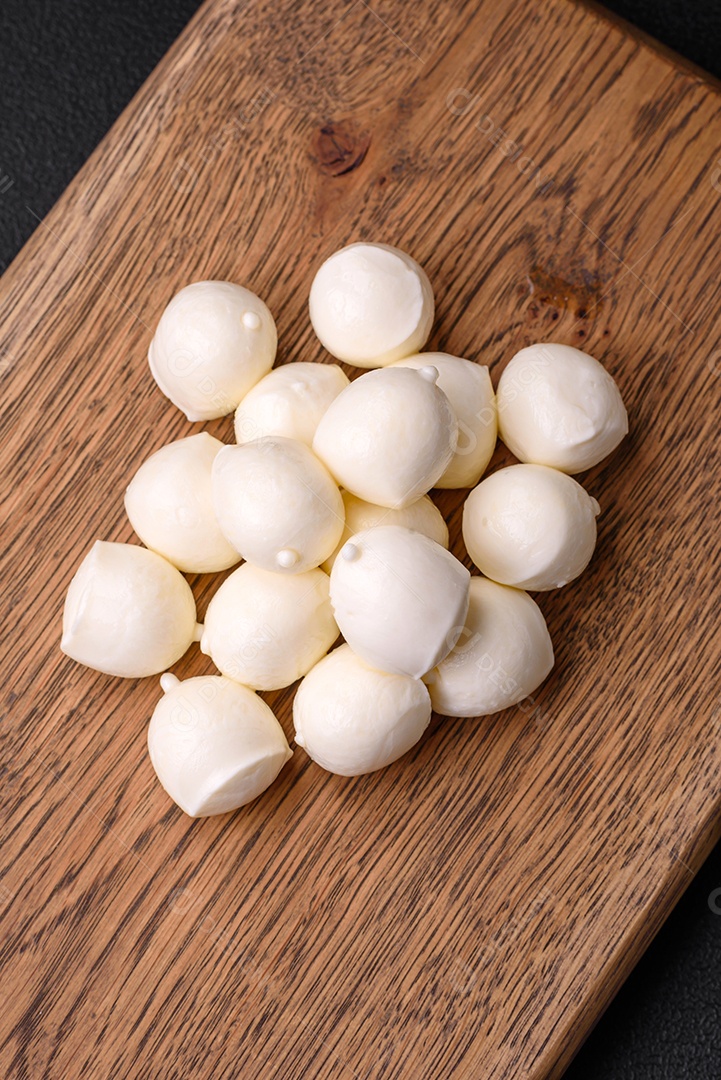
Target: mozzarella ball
x=530 y=526
x=558 y=406
x=502 y=656
x=214 y=341
x=469 y=389
x=289 y=401
x=266 y=630
x=422 y=516
x=352 y=719
x=170 y=506
x=128 y=612
x=214 y=744
x=277 y=504
x=400 y=600
x=371 y=304
x=389 y=436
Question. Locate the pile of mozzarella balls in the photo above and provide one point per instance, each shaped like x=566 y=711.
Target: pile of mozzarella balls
x=323 y=499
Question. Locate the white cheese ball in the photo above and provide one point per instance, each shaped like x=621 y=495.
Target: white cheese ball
x=389 y=436
x=289 y=401
x=214 y=341
x=422 y=516
x=277 y=504
x=530 y=526
x=502 y=656
x=215 y=745
x=469 y=389
x=371 y=304
x=128 y=612
x=170 y=505
x=400 y=599
x=558 y=406
x=265 y=630
x=352 y=719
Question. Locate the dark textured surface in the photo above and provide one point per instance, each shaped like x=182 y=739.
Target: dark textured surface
x=665 y=1024
x=66 y=72
x=691 y=27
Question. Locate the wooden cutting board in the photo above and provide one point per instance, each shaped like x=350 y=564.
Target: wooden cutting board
x=470 y=911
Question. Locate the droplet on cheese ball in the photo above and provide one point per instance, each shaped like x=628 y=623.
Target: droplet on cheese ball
x=400 y=599
x=558 y=406
x=214 y=342
x=128 y=612
x=277 y=504
x=530 y=526
x=502 y=656
x=388 y=437
x=371 y=304
x=170 y=506
x=214 y=744
x=352 y=719
x=267 y=629
x=422 y=516
x=289 y=401
x=469 y=389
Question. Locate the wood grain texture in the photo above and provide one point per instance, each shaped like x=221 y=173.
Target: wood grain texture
x=469 y=911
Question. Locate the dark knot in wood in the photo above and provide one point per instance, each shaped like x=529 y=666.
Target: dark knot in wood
x=339 y=148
